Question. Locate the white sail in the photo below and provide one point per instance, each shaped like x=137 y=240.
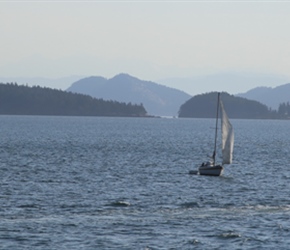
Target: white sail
x=227 y=137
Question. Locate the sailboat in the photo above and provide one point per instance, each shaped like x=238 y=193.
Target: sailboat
x=227 y=132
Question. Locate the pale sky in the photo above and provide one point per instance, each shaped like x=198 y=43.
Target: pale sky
x=150 y=40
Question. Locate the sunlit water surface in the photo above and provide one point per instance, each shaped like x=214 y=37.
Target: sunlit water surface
x=123 y=183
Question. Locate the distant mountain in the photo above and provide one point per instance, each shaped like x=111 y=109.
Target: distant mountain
x=231 y=82
x=272 y=97
x=23 y=100
x=157 y=99
x=204 y=106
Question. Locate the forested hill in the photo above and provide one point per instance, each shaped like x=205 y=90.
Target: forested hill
x=23 y=100
x=204 y=106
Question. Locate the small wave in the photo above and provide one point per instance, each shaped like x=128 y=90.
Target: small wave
x=28 y=206
x=230 y=235
x=189 y=204
x=266 y=208
x=193 y=172
x=120 y=204
x=193 y=242
x=253 y=209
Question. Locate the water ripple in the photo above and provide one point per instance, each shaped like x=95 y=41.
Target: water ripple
x=104 y=183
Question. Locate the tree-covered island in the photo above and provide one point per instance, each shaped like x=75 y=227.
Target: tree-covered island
x=23 y=100
x=204 y=106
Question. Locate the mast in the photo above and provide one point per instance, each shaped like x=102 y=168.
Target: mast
x=216 y=128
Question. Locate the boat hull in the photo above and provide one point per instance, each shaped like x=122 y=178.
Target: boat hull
x=211 y=170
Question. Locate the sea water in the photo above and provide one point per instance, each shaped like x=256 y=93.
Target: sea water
x=123 y=183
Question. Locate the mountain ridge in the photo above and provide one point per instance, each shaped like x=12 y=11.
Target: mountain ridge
x=157 y=99
x=272 y=97
x=229 y=81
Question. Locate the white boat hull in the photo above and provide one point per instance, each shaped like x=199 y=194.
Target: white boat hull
x=211 y=170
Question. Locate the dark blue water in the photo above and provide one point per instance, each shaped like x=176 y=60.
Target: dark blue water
x=123 y=183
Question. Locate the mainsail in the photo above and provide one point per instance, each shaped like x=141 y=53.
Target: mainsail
x=227 y=137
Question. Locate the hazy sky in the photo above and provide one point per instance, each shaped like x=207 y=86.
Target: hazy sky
x=147 y=39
